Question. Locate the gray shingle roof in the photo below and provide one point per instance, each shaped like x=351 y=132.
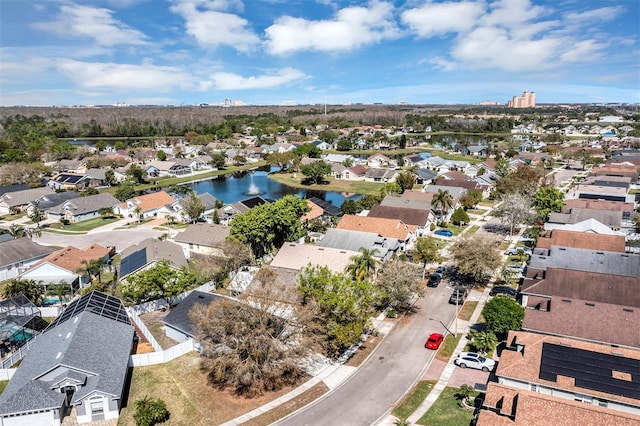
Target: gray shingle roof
x=147 y=251
x=51 y=200
x=203 y=234
x=179 y=319
x=407 y=203
x=19 y=198
x=22 y=250
x=87 y=204
x=88 y=343
x=408 y=216
x=355 y=240
x=604 y=262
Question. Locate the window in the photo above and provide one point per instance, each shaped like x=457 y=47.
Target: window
x=97 y=407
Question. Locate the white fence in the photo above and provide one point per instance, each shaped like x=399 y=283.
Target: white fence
x=7 y=373
x=156 y=305
x=50 y=311
x=143 y=328
x=18 y=354
x=160 y=357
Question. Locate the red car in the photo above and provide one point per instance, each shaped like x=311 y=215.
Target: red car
x=434 y=341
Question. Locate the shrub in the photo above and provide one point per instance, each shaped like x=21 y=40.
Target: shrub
x=150 y=412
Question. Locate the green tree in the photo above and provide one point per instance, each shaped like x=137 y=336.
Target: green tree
x=470 y=199
x=524 y=180
x=483 y=341
x=344 y=145
x=442 y=202
x=316 y=171
x=460 y=217
x=136 y=173
x=281 y=159
x=193 y=207
x=92 y=268
x=218 y=160
x=426 y=251
x=159 y=281
x=503 y=168
x=268 y=226
x=150 y=412
x=364 y=265
x=32 y=290
x=307 y=150
x=162 y=156
x=125 y=192
x=390 y=188
x=502 y=314
x=636 y=222
x=477 y=256
x=110 y=177
x=328 y=135
x=548 y=200
x=37 y=215
x=138 y=213
x=61 y=290
x=106 y=212
x=406 y=180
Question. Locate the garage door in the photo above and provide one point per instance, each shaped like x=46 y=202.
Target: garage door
x=40 y=419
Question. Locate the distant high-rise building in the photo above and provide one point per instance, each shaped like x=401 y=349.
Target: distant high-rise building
x=527 y=100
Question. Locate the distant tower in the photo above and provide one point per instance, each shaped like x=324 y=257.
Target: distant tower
x=527 y=100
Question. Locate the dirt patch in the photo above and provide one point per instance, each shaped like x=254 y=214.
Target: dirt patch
x=364 y=351
x=188 y=396
x=290 y=406
x=153 y=321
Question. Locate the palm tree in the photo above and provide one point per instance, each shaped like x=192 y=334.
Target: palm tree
x=32 y=290
x=483 y=341
x=361 y=266
x=92 y=267
x=137 y=211
x=442 y=202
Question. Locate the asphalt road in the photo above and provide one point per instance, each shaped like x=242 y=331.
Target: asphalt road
x=388 y=374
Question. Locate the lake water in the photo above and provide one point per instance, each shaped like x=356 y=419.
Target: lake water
x=235 y=187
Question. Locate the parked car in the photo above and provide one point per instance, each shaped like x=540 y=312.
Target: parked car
x=474 y=360
x=459 y=295
x=504 y=290
x=434 y=280
x=440 y=269
x=512 y=251
x=434 y=341
x=444 y=233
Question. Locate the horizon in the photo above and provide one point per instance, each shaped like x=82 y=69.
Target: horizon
x=306 y=52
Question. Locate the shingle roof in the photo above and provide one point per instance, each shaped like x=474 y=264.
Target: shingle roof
x=604 y=262
x=22 y=250
x=203 y=234
x=355 y=240
x=392 y=228
x=564 y=238
x=150 y=201
x=71 y=258
x=298 y=256
x=87 y=204
x=19 y=198
x=51 y=200
x=612 y=219
x=598 y=205
x=150 y=250
x=408 y=216
x=418 y=195
x=407 y=203
x=179 y=319
x=315 y=212
x=88 y=343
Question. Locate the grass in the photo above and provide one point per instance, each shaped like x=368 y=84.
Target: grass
x=9 y=217
x=446 y=411
x=456 y=229
x=487 y=203
x=183 y=386
x=412 y=401
x=472 y=230
x=467 y=310
x=475 y=211
x=85 y=225
x=329 y=184
x=448 y=347
x=3 y=384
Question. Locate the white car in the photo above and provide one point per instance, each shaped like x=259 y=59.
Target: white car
x=474 y=360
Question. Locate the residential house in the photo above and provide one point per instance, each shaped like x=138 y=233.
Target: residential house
x=425 y=176
x=316 y=213
x=413 y=160
x=381 y=175
x=95 y=178
x=588 y=225
x=79 y=363
x=18 y=255
x=599 y=192
x=82 y=208
x=178 y=324
x=440 y=165
x=380 y=161
x=382 y=248
x=203 y=238
x=71 y=166
x=420 y=218
x=320 y=144
x=147 y=254
x=388 y=228
x=612 y=219
x=604 y=262
x=565 y=370
x=20 y=200
x=329 y=211
x=13 y=188
x=67 y=265
x=298 y=256
x=148 y=205
x=627 y=209
x=618 y=169
x=66 y=182
x=583 y=240
x=167 y=168
x=209 y=202
x=336 y=170
x=354 y=173
x=230 y=210
x=48 y=201
x=339 y=158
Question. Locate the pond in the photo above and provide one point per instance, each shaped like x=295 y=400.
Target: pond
x=241 y=185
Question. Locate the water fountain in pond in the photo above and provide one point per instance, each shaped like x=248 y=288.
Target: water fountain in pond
x=253 y=188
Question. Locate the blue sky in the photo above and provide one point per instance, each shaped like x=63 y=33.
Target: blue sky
x=311 y=51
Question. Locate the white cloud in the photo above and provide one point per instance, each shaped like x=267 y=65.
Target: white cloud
x=604 y=14
x=230 y=81
x=434 y=19
x=352 y=28
x=94 y=23
x=512 y=13
x=585 y=49
x=440 y=63
x=125 y=77
x=212 y=27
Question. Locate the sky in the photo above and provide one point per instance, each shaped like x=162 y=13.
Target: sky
x=268 y=52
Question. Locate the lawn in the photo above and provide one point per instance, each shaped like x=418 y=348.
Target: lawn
x=448 y=346
x=412 y=401
x=467 y=310
x=446 y=411
x=3 y=384
x=189 y=398
x=487 y=203
x=85 y=225
x=472 y=230
x=330 y=184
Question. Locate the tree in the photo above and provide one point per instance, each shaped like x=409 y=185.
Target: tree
x=364 y=265
x=218 y=160
x=406 y=180
x=502 y=314
x=37 y=215
x=281 y=159
x=636 y=222
x=110 y=177
x=307 y=150
x=159 y=281
x=460 y=217
x=344 y=145
x=400 y=284
x=548 y=200
x=150 y=411
x=316 y=171
x=268 y=226
x=524 y=179
x=162 y=156
x=503 y=168
x=138 y=213
x=426 y=251
x=106 y=212
x=93 y=268
x=193 y=207
x=125 y=192
x=136 y=173
x=442 y=202
x=483 y=341
x=62 y=290
x=471 y=198
x=390 y=188
x=341 y=305
x=32 y=290
x=245 y=346
x=464 y=393
x=477 y=256
x=514 y=209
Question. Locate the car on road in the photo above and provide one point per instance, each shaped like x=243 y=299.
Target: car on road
x=503 y=290
x=459 y=295
x=434 y=341
x=474 y=360
x=444 y=233
x=434 y=280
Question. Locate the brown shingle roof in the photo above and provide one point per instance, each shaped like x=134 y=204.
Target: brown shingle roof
x=150 y=201
x=315 y=212
x=390 y=228
x=70 y=257
x=409 y=216
x=298 y=256
x=537 y=409
x=418 y=195
x=562 y=238
x=597 y=205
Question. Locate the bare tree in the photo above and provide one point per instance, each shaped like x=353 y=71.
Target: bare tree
x=514 y=210
x=477 y=256
x=400 y=283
